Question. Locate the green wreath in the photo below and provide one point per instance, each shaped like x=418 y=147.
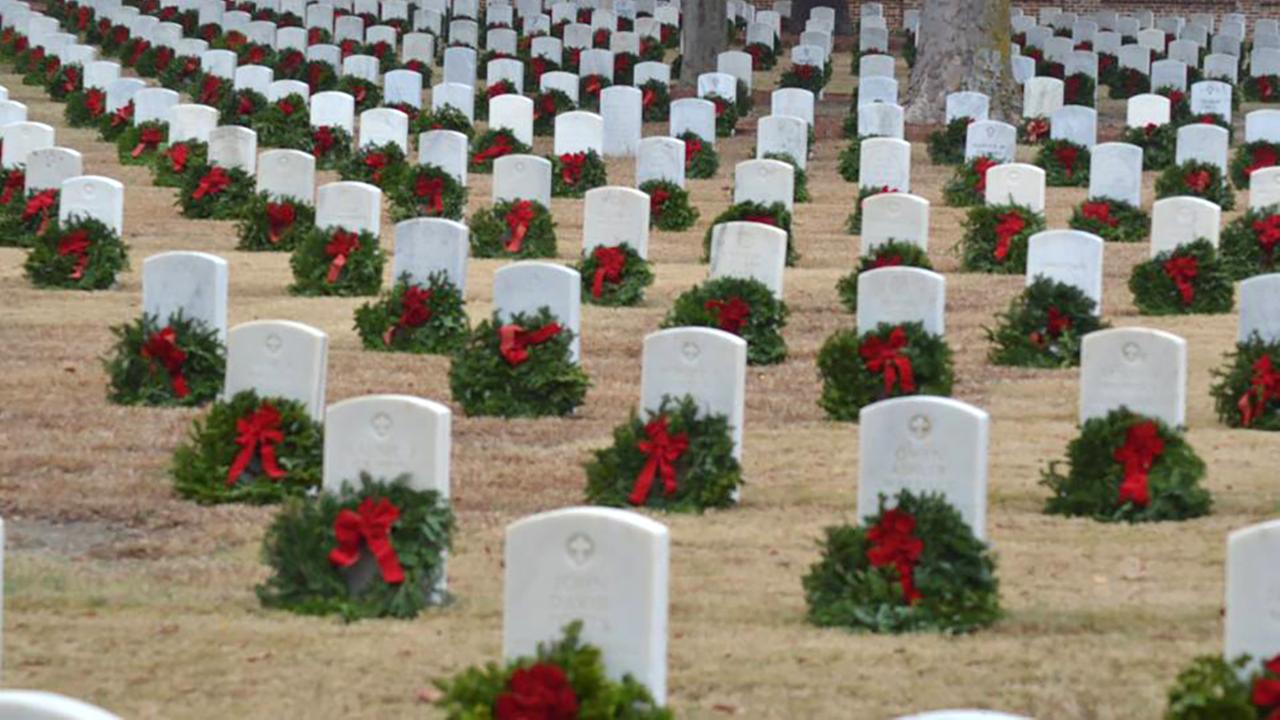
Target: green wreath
x=1128 y=82
x=181 y=75
x=211 y=90
x=894 y=253
x=274 y=224
x=336 y=261
x=946 y=146
x=917 y=567
x=1179 y=104
x=700 y=157
x=1244 y=390
x=801 y=192
x=1095 y=486
x=762 y=55
x=573 y=174
x=809 y=77
x=284 y=123
x=331 y=146
x=496 y=231
x=22 y=225
x=319 y=76
x=860 y=369
x=1261 y=88
x=1112 y=220
x=853 y=223
x=968 y=185
x=698 y=450
x=1043 y=326
x=85 y=107
x=1211 y=687
x=428 y=318
x=544 y=382
x=669 y=208
x=996 y=238
x=775 y=215
x=614 y=276
x=306 y=581
x=67 y=80
x=1188 y=280
x=214 y=192
x=154 y=61
x=1158 y=143
x=427 y=191
x=483 y=96
x=1209 y=119
x=742 y=306
x=204 y=465
x=381 y=165
x=1250 y=157
x=140 y=143
x=448 y=117
x=179 y=362
x=726 y=114
x=590 y=87
x=655 y=101
x=367 y=94
x=1065 y=163
x=850 y=161
x=81 y=254
x=1249 y=244
x=491 y=145
x=1197 y=179
x=172 y=165
x=546 y=106
x=1079 y=89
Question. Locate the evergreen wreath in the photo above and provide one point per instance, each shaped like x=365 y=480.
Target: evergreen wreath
x=1188 y=280
x=726 y=114
x=850 y=161
x=1210 y=119
x=67 y=80
x=154 y=61
x=624 y=64
x=775 y=215
x=320 y=76
x=894 y=253
x=1179 y=103
x=1246 y=391
x=284 y=123
x=20 y=226
x=1250 y=157
x=1127 y=82
x=518 y=368
x=916 y=567
x=381 y=165
x=367 y=94
x=853 y=223
x=655 y=101
x=1034 y=130
x=889 y=360
x=1043 y=326
x=1158 y=143
x=669 y=208
x=946 y=146
x=1197 y=179
x=80 y=254
x=249 y=449
x=1249 y=243
x=491 y=145
x=614 y=275
x=573 y=174
x=763 y=57
x=535 y=68
x=85 y=107
x=331 y=146
x=1065 y=163
x=996 y=238
x=1079 y=89
x=1127 y=467
x=742 y=306
x=215 y=192
x=336 y=261
x=429 y=318
x=212 y=90
x=111 y=124
x=547 y=104
x=968 y=186
x=1262 y=88
x=482 y=97
x=800 y=193
x=590 y=88
x=178 y=362
x=373 y=551
x=700 y=158
x=675 y=459
x=181 y=75
x=564 y=679
x=513 y=229
x=171 y=165
x=427 y=191
x=274 y=223
x=140 y=143
x=809 y=77
x=1211 y=687
x=1112 y=220
x=447 y=117
x=849 y=128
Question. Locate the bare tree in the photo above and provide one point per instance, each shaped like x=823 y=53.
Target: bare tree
x=703 y=35
x=963 y=45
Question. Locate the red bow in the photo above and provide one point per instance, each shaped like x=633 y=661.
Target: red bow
x=414 y=311
x=539 y=67
x=210 y=89
x=1266 y=690
x=178 y=154
x=371 y=522
x=546 y=106
x=291 y=61
x=82 y=17
x=730 y=314
x=1197 y=181
x=40 y=205
x=280 y=217
x=1176 y=97
x=804 y=72
x=213 y=183
x=244 y=105
x=502 y=87
x=123 y=115
x=338 y=249
x=1055 y=324
x=1263 y=156
x=647 y=98
x=70 y=80
x=882 y=356
x=1072 y=89
x=1036 y=129
x=720 y=104
x=662 y=449
x=147 y=140
x=692 y=146
x=322 y=140
x=14 y=182
x=571 y=165
x=762 y=219
x=1008 y=226
x=1066 y=156
x=1264 y=88
x=376 y=162
x=1263 y=388
x=499 y=147
x=1267 y=231
x=1182 y=270
x=1149 y=129
x=657 y=201
x=518 y=218
x=315 y=73
x=432 y=189
x=164 y=56
x=593 y=85
x=139 y=47
x=892 y=543
x=514 y=341
x=1142 y=445
x=76 y=244
x=980 y=167
x=162 y=347
x=95 y=101
x=258 y=431
x=885 y=260
x=609 y=264
x=1100 y=211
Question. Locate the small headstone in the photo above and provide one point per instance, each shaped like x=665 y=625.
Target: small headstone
x=1142 y=369
x=991 y=138
x=783 y=134
x=622 y=111
x=973 y=105
x=1147 y=109
x=902 y=295
x=1211 y=96
x=234 y=147
x=1042 y=97
x=429 y=245
x=193 y=283
x=894 y=216
x=93 y=196
x=278 y=358
x=579 y=131
x=750 y=250
x=1252 y=625
x=529 y=285
x=1075 y=123
x=1016 y=184
x=796 y=102
x=47 y=168
x=333 y=109
x=1181 y=220
x=694 y=115
x=353 y=206
x=1115 y=171
x=707 y=364
x=765 y=182
x=1262 y=125
x=613 y=216
x=387 y=436
x=1068 y=256
x=522 y=177
x=1203 y=143
x=1264 y=188
x=456 y=95
x=284 y=173
x=660 y=158
x=885 y=163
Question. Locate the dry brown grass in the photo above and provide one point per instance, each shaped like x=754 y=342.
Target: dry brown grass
x=120 y=593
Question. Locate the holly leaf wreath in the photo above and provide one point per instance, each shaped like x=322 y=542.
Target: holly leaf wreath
x=1079 y=89
x=1251 y=157
x=1158 y=143
x=382 y=165
x=1246 y=390
x=179 y=362
x=249 y=449
x=675 y=459
x=741 y=306
x=700 y=158
x=1261 y=88
x=274 y=223
x=1249 y=243
x=1187 y=280
x=774 y=215
x=429 y=318
x=214 y=192
x=67 y=80
x=968 y=186
x=80 y=254
x=285 y=123
x=547 y=104
x=181 y=74
x=893 y=253
x=853 y=223
x=655 y=101
x=800 y=193
x=336 y=261
x=331 y=145
x=427 y=191
x=912 y=567
x=1065 y=163
x=171 y=165
x=1127 y=467
x=319 y=76
x=139 y=143
x=946 y=146
x=1112 y=220
x=22 y=224
x=669 y=208
x=513 y=229
x=572 y=174
x=368 y=551
x=1128 y=82
x=212 y=90
x=491 y=145
x=522 y=367
x=762 y=55
x=1197 y=179
x=890 y=360
x=614 y=276
x=1043 y=326
x=996 y=237
x=1212 y=687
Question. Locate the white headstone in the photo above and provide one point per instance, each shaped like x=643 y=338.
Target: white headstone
x=1068 y=256
x=660 y=158
x=278 y=358
x=432 y=245
x=765 y=182
x=613 y=216
x=1180 y=220
x=621 y=110
x=93 y=196
x=47 y=168
x=380 y=126
x=1142 y=369
x=40 y=705
x=1264 y=187
x=1204 y=143
x=1211 y=96
x=894 y=216
x=783 y=134
x=750 y=250
x=234 y=147
x=193 y=283
x=387 y=436
x=353 y=206
x=707 y=364
x=1259 y=310
x=972 y=105
x=991 y=138
x=885 y=163
x=579 y=131
x=529 y=285
x=1015 y=184
x=694 y=115
x=1252 y=624
x=284 y=173
x=522 y=177
x=901 y=295
x=333 y=108
x=1147 y=109
x=1075 y=123
x=1115 y=171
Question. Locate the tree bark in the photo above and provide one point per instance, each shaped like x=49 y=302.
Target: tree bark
x=963 y=45
x=703 y=36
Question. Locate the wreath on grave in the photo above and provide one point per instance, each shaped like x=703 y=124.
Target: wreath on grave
x=140 y=143
x=331 y=146
x=212 y=90
x=79 y=254
x=40 y=68
x=669 y=208
x=447 y=117
x=775 y=215
x=968 y=186
x=1179 y=104
x=113 y=38
x=274 y=224
x=1197 y=179
x=367 y=552
x=154 y=61
x=497 y=89
x=700 y=158
x=809 y=77
x=853 y=223
x=171 y=166
x=1043 y=326
x=513 y=229
x=560 y=680
x=1263 y=88
x=111 y=124
x=614 y=276
x=1249 y=243
x=1246 y=391
x=1187 y=280
x=763 y=57
x=491 y=145
x=546 y=106
x=385 y=52
x=1112 y=220
x=518 y=368
x=655 y=101
x=85 y=107
x=1127 y=82
x=676 y=459
x=996 y=237
x=214 y=192
x=284 y=123
x=427 y=191
x=1079 y=89
x=946 y=146
x=67 y=80
x=916 y=567
x=1065 y=163
x=1212 y=687
x=1250 y=157
x=249 y=449
x=1210 y=119
x=534 y=69
x=181 y=362
x=429 y=318
x=624 y=64
x=741 y=306
x=849 y=128
x=887 y=361
x=381 y=165
x=13 y=181
x=651 y=50
x=290 y=64
x=256 y=54
x=320 y=76
x=572 y=174
x=335 y=261
x=1034 y=131
x=367 y=94
x=726 y=113
x=893 y=253
x=1158 y=143
x=181 y=75
x=800 y=192
x=1127 y=467
x=21 y=226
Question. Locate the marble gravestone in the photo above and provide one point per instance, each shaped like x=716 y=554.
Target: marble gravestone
x=278 y=358
x=1142 y=369
x=424 y=246
x=707 y=364
x=897 y=295
x=191 y=283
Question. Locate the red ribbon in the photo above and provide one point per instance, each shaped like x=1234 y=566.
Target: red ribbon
x=244 y=105
x=139 y=46
x=371 y=522
x=662 y=450
x=1176 y=97
x=762 y=219
x=1263 y=388
x=414 y=311
x=720 y=104
x=322 y=140
x=1008 y=226
x=1263 y=156
x=76 y=244
x=95 y=101
x=1099 y=211
x=338 y=249
x=1056 y=323
x=502 y=87
x=1149 y=129
x=40 y=204
x=70 y=80
x=123 y=115
x=376 y=162
x=609 y=264
x=14 y=182
x=657 y=201
x=432 y=189
x=571 y=165
x=647 y=98
x=280 y=217
x=804 y=72
x=692 y=146
x=164 y=56
x=1066 y=156
x=147 y=140
x=499 y=147
x=1142 y=445
x=518 y=218
x=178 y=153
x=730 y=314
x=214 y=182
x=1264 y=88
x=259 y=432
x=1267 y=231
x=162 y=347
x=980 y=167
x=894 y=544
x=883 y=357
x=1182 y=270
x=1266 y=690
x=210 y=89
x=1072 y=89
x=882 y=259
x=514 y=341
x=1197 y=181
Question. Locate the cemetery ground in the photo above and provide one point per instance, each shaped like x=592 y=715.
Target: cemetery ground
x=119 y=591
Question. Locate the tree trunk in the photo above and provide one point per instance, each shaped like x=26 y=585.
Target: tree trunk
x=703 y=37
x=963 y=45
